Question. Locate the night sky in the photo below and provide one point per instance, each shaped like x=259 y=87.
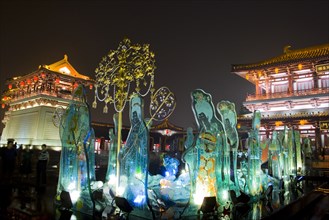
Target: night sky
x=195 y=42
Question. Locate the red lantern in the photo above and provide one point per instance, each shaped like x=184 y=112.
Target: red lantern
x=28 y=81
x=10 y=86
x=91 y=86
x=3 y=105
x=35 y=78
x=57 y=80
x=43 y=75
x=22 y=83
x=75 y=85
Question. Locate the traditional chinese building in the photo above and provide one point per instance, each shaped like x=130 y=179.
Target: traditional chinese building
x=167 y=137
x=33 y=100
x=291 y=89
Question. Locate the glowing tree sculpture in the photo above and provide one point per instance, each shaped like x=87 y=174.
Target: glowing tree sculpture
x=130 y=65
x=77 y=156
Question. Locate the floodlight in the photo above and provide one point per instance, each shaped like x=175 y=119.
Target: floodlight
x=65 y=215
x=209 y=205
x=123 y=204
x=65 y=199
x=98 y=195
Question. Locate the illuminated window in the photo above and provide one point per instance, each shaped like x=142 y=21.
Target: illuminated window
x=156 y=147
x=324 y=82
x=278 y=88
x=64 y=70
x=305 y=85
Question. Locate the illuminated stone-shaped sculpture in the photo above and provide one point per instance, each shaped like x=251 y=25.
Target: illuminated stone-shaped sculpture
x=77 y=156
x=254 y=177
x=294 y=152
x=275 y=154
x=209 y=146
x=298 y=152
x=134 y=158
x=228 y=114
x=285 y=150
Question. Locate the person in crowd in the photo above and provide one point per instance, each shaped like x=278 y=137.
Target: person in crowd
x=323 y=152
x=9 y=154
x=42 y=163
x=26 y=162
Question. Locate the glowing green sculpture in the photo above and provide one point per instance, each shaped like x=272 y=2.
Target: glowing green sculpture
x=77 y=156
x=227 y=111
x=274 y=156
x=189 y=157
x=254 y=178
x=285 y=149
x=294 y=152
x=298 y=152
x=112 y=160
x=209 y=146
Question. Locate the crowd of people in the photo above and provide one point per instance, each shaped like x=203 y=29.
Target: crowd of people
x=18 y=161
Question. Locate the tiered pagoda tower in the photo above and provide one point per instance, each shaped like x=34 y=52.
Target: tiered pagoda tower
x=32 y=100
x=291 y=89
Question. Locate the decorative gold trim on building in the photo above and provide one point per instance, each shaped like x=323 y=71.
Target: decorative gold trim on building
x=289 y=56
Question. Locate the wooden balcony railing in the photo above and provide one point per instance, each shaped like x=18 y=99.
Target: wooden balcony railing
x=314 y=91
x=23 y=95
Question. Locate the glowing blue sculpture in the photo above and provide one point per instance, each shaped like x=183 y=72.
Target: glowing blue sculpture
x=134 y=158
x=77 y=156
x=171 y=164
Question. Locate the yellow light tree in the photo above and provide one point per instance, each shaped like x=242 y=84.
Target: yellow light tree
x=129 y=66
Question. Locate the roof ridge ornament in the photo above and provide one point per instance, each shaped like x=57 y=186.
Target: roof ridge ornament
x=66 y=57
x=286 y=49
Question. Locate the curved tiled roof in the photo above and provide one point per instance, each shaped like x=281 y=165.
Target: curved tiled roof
x=289 y=56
